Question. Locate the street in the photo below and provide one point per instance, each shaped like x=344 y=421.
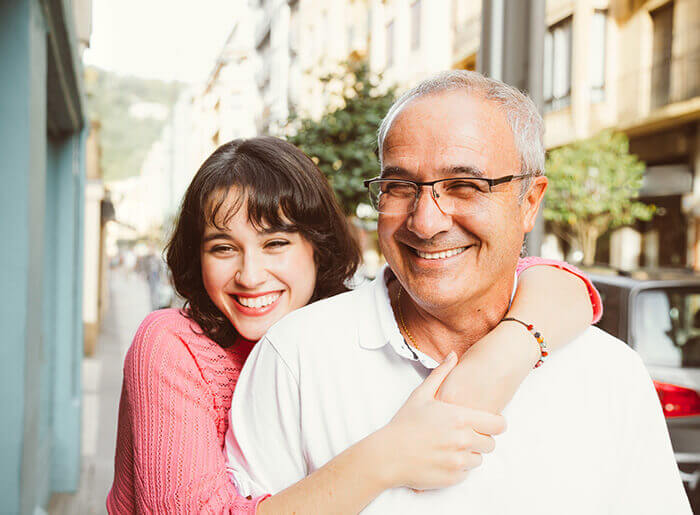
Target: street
x=102 y=378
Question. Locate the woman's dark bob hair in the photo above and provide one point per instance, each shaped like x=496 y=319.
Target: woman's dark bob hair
x=284 y=191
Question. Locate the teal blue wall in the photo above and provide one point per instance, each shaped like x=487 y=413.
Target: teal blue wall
x=41 y=203
x=22 y=145
x=67 y=261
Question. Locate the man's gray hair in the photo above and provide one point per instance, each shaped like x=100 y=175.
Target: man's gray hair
x=522 y=115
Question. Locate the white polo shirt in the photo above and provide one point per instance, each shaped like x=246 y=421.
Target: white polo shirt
x=585 y=432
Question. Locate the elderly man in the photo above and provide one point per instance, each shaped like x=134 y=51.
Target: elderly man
x=461 y=184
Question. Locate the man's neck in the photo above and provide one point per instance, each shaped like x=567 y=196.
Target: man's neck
x=437 y=332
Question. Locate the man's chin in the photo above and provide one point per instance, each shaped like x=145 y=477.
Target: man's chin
x=443 y=295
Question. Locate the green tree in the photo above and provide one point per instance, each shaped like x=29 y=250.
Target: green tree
x=593 y=185
x=343 y=141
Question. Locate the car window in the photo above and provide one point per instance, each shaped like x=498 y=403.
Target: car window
x=610 y=321
x=667 y=326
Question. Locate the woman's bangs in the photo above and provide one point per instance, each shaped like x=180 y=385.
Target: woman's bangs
x=220 y=205
x=272 y=209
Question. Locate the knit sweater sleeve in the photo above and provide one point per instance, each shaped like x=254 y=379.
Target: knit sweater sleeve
x=596 y=302
x=178 y=462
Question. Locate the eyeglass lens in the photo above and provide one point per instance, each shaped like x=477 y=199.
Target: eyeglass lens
x=452 y=196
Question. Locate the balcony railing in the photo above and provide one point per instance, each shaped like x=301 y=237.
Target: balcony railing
x=665 y=82
x=464 y=34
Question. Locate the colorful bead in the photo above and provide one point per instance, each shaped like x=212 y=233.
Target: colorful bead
x=538 y=337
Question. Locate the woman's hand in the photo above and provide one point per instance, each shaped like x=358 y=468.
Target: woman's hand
x=428 y=444
x=431 y=444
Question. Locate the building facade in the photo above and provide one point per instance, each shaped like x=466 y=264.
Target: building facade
x=42 y=141
x=629 y=65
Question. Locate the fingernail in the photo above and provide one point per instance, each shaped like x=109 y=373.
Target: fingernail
x=451 y=356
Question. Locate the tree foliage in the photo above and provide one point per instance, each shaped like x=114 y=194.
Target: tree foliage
x=593 y=185
x=343 y=141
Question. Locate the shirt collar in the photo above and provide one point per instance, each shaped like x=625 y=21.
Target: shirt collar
x=389 y=332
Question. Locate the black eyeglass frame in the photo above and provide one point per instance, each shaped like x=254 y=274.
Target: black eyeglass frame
x=419 y=185
x=490 y=182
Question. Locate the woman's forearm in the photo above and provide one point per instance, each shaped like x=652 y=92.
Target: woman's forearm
x=555 y=302
x=346 y=484
x=427 y=444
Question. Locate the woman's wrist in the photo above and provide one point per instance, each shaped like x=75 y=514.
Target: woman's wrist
x=383 y=466
x=507 y=350
x=489 y=373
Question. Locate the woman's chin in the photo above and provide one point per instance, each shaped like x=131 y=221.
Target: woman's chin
x=252 y=334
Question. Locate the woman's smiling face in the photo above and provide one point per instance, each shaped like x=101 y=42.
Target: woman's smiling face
x=254 y=276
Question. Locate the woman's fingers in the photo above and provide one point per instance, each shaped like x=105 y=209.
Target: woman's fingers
x=483 y=422
x=482 y=444
x=430 y=385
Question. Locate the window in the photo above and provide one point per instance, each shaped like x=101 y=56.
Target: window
x=557 y=65
x=662 y=20
x=667 y=326
x=415 y=25
x=325 y=28
x=390 y=44
x=597 y=56
x=610 y=321
x=351 y=37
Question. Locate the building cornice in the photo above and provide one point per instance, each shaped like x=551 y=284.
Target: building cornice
x=65 y=104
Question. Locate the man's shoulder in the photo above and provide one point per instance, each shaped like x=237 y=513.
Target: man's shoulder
x=332 y=316
x=598 y=353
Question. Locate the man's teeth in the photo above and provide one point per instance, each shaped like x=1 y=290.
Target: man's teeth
x=441 y=255
x=259 y=302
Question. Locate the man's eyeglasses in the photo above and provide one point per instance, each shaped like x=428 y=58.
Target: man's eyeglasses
x=454 y=195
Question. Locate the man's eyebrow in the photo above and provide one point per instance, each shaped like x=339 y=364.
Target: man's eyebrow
x=397 y=172
x=463 y=171
x=216 y=236
x=451 y=171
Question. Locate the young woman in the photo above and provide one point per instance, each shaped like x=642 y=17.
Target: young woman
x=260 y=217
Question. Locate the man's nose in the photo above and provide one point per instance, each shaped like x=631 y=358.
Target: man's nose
x=427 y=218
x=251 y=272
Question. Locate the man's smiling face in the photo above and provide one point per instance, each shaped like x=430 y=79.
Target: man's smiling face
x=444 y=260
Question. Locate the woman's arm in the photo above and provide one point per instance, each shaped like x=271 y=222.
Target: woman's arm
x=483 y=380
x=558 y=300
x=428 y=444
x=169 y=457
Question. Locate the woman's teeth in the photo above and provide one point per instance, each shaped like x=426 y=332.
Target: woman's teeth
x=441 y=255
x=258 y=302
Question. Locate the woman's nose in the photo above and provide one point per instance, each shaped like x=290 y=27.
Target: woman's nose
x=251 y=273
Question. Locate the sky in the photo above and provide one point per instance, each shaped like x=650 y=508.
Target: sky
x=161 y=39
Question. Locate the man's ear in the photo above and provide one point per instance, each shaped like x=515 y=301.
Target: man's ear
x=531 y=202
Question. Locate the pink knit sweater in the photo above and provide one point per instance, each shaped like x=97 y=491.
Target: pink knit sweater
x=172 y=422
x=173 y=417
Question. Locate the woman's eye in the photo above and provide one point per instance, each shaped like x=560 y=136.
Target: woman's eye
x=222 y=249
x=276 y=244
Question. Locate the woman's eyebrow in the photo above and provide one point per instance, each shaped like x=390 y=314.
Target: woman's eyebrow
x=275 y=230
x=216 y=236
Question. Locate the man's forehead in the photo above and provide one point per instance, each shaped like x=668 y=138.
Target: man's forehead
x=449 y=130
x=403 y=143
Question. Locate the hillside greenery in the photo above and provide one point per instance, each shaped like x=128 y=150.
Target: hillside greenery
x=124 y=138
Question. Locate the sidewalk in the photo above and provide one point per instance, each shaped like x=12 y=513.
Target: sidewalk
x=102 y=378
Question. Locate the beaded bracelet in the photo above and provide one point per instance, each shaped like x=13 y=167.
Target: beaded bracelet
x=540 y=339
